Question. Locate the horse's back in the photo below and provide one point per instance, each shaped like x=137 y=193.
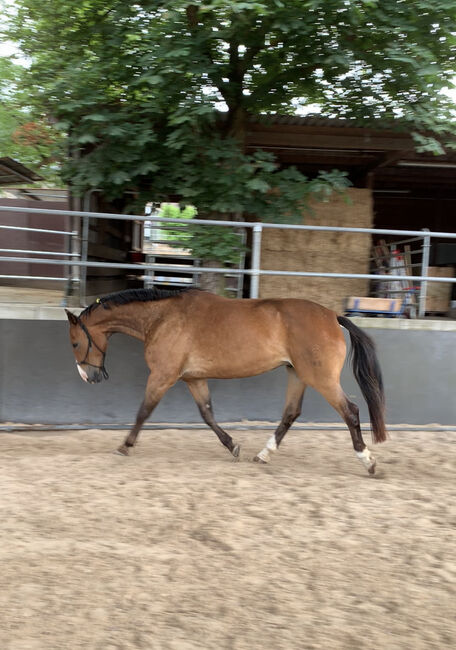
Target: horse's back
x=252 y=336
x=270 y=315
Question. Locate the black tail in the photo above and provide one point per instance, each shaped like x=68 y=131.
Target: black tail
x=366 y=369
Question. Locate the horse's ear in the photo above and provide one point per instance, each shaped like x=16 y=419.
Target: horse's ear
x=71 y=317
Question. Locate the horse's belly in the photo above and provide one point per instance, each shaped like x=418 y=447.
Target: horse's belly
x=232 y=365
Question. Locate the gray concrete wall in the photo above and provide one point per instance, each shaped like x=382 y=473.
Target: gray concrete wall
x=39 y=382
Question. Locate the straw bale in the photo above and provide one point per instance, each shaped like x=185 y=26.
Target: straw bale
x=438 y=294
x=331 y=252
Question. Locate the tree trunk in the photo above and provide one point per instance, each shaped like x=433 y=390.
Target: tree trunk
x=212 y=282
x=234 y=127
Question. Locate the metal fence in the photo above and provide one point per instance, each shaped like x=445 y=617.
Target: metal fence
x=76 y=261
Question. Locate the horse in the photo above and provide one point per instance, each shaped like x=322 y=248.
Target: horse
x=193 y=335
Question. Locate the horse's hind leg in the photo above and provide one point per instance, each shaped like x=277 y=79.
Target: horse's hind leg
x=200 y=391
x=292 y=410
x=350 y=414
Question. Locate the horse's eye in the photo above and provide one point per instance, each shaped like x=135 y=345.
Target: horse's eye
x=75 y=345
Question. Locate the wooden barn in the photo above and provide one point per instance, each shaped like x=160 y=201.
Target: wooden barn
x=393 y=187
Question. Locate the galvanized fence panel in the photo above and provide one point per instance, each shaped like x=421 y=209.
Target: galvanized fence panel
x=255 y=271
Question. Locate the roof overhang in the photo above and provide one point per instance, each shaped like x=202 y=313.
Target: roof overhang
x=377 y=155
x=14 y=173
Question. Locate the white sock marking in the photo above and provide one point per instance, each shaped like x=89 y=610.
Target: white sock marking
x=271 y=447
x=264 y=455
x=366 y=457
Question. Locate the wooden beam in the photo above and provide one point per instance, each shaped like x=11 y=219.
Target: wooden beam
x=312 y=140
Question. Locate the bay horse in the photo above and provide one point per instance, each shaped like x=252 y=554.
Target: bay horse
x=193 y=335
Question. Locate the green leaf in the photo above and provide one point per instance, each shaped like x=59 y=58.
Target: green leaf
x=147 y=167
x=85 y=138
x=96 y=117
x=258 y=184
x=116 y=130
x=120 y=177
x=152 y=80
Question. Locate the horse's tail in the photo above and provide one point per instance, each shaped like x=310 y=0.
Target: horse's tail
x=366 y=369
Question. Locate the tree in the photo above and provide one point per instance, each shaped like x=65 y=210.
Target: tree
x=213 y=245
x=137 y=87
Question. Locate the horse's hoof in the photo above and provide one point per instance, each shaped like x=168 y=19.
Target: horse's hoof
x=236 y=451
x=371 y=469
x=257 y=459
x=122 y=451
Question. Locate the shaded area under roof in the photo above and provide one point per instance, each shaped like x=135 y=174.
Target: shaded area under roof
x=373 y=155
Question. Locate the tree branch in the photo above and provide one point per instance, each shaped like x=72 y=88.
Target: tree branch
x=192 y=16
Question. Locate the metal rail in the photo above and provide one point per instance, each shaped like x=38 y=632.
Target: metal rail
x=18 y=250
x=32 y=277
x=174 y=267
x=232 y=224
x=53 y=232
x=255 y=271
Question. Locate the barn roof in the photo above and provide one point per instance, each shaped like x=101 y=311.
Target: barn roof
x=13 y=173
x=374 y=154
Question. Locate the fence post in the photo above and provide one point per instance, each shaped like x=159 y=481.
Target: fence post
x=424 y=272
x=256 y=259
x=85 y=230
x=70 y=279
x=84 y=257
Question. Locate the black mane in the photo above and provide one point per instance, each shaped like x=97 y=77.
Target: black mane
x=133 y=295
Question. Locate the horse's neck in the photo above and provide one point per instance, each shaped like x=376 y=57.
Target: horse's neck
x=133 y=319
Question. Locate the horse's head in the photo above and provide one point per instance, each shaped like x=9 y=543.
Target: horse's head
x=89 y=349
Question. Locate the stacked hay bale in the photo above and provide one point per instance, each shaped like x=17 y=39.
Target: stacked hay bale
x=438 y=294
x=331 y=252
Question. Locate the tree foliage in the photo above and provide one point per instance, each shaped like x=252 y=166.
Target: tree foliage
x=136 y=87
x=218 y=243
x=25 y=136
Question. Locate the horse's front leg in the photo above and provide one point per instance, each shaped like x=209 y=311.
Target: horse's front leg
x=155 y=389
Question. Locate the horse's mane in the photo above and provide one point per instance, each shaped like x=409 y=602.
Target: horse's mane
x=133 y=295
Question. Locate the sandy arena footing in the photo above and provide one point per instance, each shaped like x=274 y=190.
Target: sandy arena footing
x=178 y=547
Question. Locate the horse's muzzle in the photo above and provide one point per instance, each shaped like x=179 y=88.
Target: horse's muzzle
x=90 y=375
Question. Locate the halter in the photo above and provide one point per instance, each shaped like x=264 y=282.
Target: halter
x=91 y=341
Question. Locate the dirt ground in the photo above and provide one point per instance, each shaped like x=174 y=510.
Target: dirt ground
x=28 y=296
x=179 y=547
